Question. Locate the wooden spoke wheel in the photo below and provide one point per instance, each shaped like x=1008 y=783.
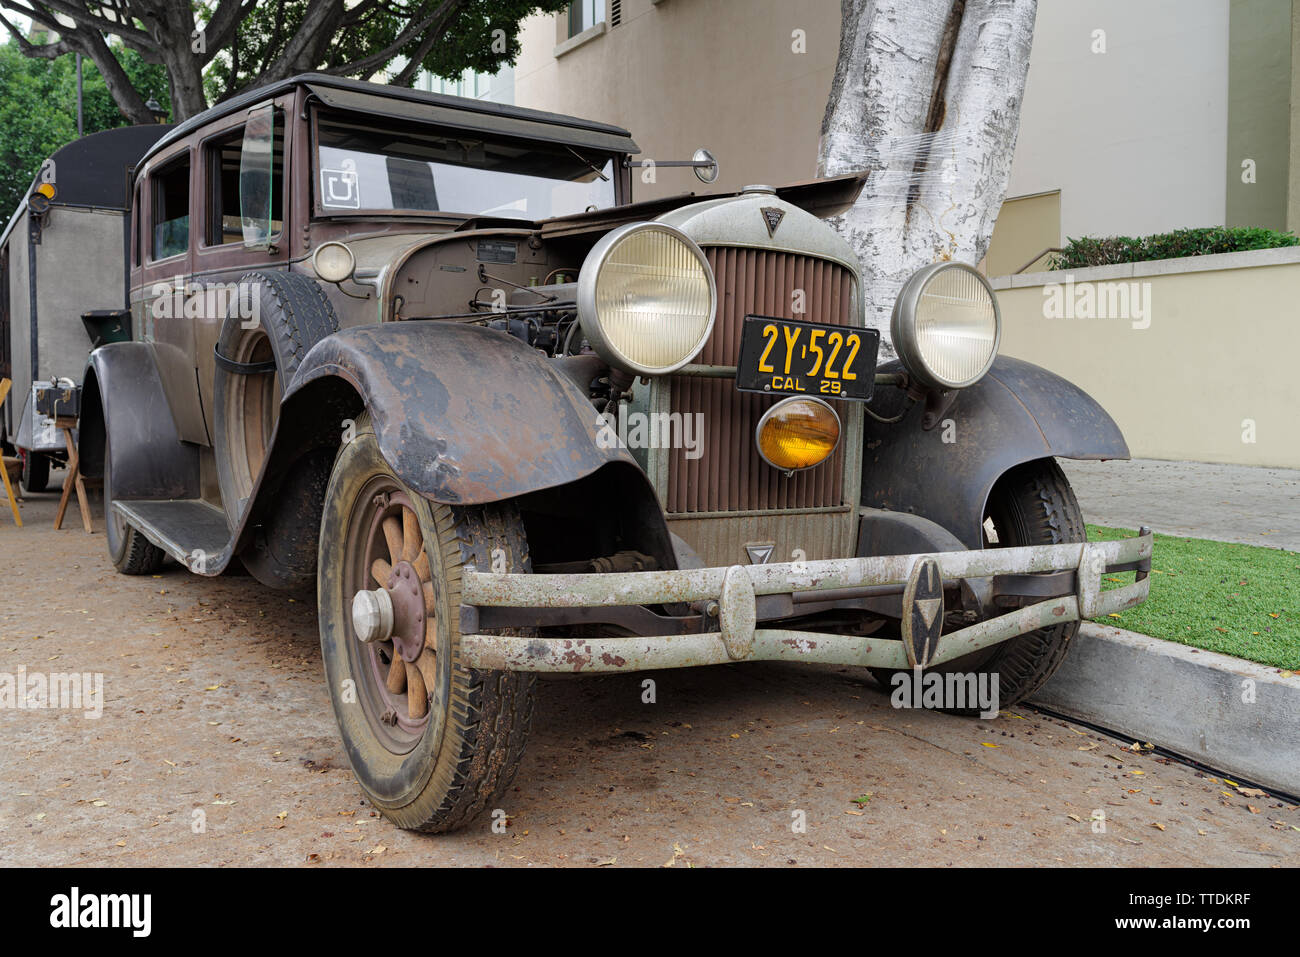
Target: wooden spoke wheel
x=431 y=741
x=394 y=614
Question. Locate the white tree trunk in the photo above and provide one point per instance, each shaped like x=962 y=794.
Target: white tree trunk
x=935 y=120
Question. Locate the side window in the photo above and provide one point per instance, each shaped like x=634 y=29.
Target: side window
x=170 y=217
x=136 y=228
x=225 y=219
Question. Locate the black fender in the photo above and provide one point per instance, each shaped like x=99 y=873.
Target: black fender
x=122 y=396
x=464 y=415
x=1017 y=413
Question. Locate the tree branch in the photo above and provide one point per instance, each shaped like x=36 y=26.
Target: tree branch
x=376 y=60
x=81 y=17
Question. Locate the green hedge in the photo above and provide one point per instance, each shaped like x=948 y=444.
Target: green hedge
x=1088 y=251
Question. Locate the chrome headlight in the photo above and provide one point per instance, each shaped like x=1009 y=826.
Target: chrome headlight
x=333 y=261
x=946 y=325
x=646 y=298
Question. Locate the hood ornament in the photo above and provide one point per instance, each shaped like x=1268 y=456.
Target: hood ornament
x=772 y=218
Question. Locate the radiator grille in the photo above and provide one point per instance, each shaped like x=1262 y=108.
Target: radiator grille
x=730 y=476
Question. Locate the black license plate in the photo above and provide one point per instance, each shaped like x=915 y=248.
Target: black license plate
x=790 y=357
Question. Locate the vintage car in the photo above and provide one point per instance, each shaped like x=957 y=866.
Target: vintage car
x=427 y=355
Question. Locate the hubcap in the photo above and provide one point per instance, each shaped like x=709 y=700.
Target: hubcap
x=389 y=590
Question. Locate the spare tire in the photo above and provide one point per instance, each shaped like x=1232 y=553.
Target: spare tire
x=276 y=320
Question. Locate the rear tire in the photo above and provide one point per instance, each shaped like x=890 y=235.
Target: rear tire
x=36 y=471
x=1032 y=504
x=433 y=763
x=130 y=552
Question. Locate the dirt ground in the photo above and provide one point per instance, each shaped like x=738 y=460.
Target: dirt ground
x=217 y=746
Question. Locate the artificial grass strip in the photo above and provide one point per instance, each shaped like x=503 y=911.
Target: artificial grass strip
x=1239 y=600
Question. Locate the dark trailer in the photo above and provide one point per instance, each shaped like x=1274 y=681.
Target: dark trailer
x=62 y=256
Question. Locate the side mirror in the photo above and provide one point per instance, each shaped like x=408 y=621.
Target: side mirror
x=705 y=166
x=255 y=161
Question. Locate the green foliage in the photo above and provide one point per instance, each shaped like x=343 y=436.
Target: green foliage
x=1090 y=251
x=38 y=111
x=482 y=36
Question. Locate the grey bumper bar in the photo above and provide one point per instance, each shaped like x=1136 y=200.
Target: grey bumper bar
x=735 y=589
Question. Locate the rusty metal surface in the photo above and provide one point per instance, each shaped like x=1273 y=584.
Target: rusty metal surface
x=592 y=655
x=736 y=588
x=1017 y=413
x=464 y=415
x=730 y=475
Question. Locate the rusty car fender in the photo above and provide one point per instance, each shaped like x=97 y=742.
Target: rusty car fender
x=464 y=415
x=1017 y=413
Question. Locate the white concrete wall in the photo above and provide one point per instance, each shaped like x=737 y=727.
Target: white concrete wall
x=1200 y=366
x=1134 y=138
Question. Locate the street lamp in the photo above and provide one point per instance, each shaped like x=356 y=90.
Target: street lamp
x=154 y=107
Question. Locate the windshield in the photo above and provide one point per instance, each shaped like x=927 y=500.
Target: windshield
x=376 y=165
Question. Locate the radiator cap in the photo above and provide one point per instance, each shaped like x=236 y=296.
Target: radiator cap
x=759 y=188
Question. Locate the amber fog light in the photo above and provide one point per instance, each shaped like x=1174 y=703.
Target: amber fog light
x=798 y=433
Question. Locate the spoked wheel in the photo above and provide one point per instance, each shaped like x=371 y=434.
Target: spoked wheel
x=394 y=613
x=1032 y=504
x=432 y=743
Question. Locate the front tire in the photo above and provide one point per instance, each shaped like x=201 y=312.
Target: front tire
x=431 y=742
x=1032 y=504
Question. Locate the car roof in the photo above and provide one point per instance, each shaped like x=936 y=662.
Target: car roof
x=399 y=102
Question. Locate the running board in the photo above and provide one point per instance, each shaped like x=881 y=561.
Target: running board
x=192 y=531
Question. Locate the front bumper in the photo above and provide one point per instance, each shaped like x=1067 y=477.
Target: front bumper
x=1069 y=575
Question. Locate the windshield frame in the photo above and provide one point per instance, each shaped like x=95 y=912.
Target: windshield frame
x=618 y=173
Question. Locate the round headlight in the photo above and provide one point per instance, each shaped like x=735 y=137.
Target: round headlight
x=798 y=433
x=946 y=325
x=333 y=261
x=646 y=298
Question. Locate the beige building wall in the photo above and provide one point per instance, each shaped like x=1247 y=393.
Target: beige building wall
x=1026 y=226
x=1211 y=378
x=1258 y=168
x=1125 y=112
x=1133 y=137
x=680 y=74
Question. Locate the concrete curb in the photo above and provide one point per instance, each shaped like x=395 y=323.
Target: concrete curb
x=1183 y=699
